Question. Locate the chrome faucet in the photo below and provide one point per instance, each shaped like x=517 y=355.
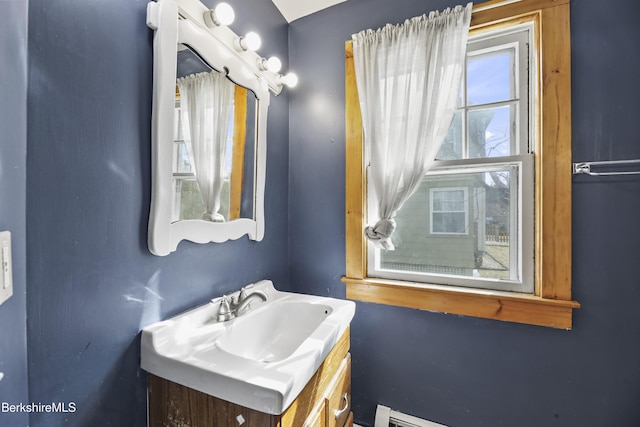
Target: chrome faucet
x=236 y=307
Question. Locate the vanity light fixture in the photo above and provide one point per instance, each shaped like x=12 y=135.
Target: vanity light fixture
x=250 y=41
x=272 y=64
x=188 y=17
x=222 y=14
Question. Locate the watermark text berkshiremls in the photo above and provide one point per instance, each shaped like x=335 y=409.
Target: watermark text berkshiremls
x=64 y=407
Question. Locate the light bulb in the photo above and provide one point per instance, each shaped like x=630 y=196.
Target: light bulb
x=223 y=14
x=262 y=64
x=290 y=80
x=274 y=64
x=251 y=41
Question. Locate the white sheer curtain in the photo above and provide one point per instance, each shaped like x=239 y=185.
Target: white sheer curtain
x=208 y=98
x=408 y=79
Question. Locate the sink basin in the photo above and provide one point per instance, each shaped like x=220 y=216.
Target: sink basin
x=261 y=360
x=273 y=334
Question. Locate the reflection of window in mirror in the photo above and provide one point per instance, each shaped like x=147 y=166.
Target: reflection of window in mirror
x=187 y=201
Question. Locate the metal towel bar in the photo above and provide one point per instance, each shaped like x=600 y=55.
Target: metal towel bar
x=585 y=167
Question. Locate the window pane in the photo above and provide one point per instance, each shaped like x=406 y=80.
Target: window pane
x=181 y=157
x=188 y=203
x=460 y=224
x=448 y=200
x=491 y=132
x=450 y=222
x=490 y=77
x=451 y=148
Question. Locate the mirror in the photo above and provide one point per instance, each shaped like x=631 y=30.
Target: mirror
x=198 y=195
x=237 y=188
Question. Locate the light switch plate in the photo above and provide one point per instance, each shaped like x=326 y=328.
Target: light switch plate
x=6 y=270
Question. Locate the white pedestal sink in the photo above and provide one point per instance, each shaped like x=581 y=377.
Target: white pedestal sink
x=261 y=360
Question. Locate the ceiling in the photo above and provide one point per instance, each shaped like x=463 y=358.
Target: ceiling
x=294 y=9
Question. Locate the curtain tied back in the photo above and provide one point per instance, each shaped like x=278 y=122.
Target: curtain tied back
x=408 y=78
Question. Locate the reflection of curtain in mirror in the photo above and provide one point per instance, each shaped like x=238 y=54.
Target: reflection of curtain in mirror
x=208 y=99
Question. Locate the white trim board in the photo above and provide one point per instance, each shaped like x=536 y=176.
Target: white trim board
x=385 y=415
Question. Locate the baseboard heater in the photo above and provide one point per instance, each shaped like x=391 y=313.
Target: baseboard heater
x=386 y=417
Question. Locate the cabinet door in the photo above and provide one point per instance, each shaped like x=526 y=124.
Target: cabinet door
x=338 y=402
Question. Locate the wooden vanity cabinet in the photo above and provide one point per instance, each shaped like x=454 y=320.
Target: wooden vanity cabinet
x=324 y=402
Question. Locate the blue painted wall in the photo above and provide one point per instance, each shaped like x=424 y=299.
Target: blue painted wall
x=92 y=282
x=464 y=371
x=13 y=181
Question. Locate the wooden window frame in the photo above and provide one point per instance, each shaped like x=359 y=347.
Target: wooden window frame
x=550 y=305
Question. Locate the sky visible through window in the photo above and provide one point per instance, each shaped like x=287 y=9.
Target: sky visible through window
x=489 y=80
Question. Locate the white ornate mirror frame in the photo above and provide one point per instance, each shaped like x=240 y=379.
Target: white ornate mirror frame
x=183 y=22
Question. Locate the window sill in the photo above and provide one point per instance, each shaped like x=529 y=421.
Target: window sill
x=506 y=306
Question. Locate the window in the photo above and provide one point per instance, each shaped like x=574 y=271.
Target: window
x=466 y=242
x=449 y=211
x=487 y=155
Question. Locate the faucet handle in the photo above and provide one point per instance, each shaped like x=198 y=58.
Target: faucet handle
x=224 y=311
x=235 y=299
x=243 y=291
